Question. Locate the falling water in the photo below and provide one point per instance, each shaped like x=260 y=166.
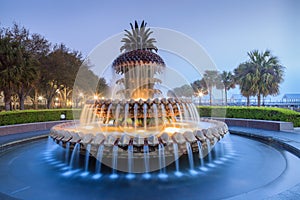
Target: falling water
x=209 y=148
x=163 y=112
x=108 y=113
x=154 y=106
x=176 y=157
x=162 y=161
x=180 y=114
x=200 y=153
x=83 y=116
x=172 y=112
x=135 y=113
x=186 y=113
x=145 y=107
x=87 y=157
x=90 y=113
x=130 y=159
x=192 y=113
x=146 y=158
x=114 y=162
x=102 y=111
x=67 y=152
x=117 y=114
x=94 y=114
x=130 y=175
x=126 y=114
x=99 y=159
x=196 y=113
x=75 y=155
x=216 y=150
x=190 y=156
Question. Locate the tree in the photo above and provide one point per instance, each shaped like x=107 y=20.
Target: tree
x=102 y=87
x=184 y=91
x=26 y=63
x=211 y=78
x=8 y=67
x=227 y=80
x=59 y=72
x=19 y=62
x=268 y=73
x=244 y=76
x=11 y=62
x=200 y=89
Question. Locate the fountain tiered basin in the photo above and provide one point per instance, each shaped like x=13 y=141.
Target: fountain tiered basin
x=139 y=123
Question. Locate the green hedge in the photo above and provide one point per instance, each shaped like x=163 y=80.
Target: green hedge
x=265 y=113
x=29 y=116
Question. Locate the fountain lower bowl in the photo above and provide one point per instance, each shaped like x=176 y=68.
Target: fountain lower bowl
x=210 y=132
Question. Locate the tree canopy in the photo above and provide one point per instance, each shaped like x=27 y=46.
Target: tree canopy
x=31 y=66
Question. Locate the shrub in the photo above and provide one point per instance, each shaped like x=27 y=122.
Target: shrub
x=29 y=116
x=264 y=113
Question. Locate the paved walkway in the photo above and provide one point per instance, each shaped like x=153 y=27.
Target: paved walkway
x=290 y=140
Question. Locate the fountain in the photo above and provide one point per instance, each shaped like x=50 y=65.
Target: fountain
x=140 y=130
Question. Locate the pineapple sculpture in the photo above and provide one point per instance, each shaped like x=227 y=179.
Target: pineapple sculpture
x=138 y=64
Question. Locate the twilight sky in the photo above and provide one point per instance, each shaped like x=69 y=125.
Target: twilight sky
x=227 y=30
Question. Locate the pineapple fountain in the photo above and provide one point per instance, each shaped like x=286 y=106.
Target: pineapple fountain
x=140 y=130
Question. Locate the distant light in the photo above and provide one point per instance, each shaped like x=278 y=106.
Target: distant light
x=63 y=116
x=81 y=94
x=56 y=99
x=40 y=98
x=96 y=97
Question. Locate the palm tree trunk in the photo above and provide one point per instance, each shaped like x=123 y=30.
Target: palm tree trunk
x=248 y=100
x=210 y=96
x=258 y=99
x=225 y=96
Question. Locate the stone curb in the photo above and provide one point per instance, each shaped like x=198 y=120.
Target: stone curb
x=270 y=139
x=21 y=128
x=8 y=145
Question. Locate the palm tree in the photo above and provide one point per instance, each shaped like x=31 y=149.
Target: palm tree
x=268 y=73
x=244 y=77
x=211 y=79
x=227 y=80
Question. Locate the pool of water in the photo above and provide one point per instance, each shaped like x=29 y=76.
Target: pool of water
x=238 y=168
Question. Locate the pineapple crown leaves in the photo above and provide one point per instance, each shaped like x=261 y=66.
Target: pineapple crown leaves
x=138 y=38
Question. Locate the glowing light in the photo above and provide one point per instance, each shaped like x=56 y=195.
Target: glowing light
x=40 y=98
